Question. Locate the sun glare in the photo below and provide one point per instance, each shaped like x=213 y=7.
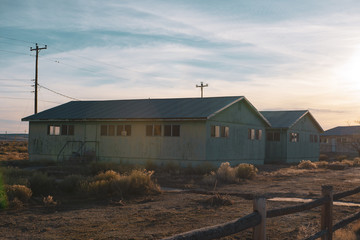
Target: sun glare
x=349 y=73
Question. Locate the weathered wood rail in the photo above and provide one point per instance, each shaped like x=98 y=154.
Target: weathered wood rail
x=257 y=219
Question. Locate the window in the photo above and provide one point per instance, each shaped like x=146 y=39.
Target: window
x=224 y=131
x=123 y=130
x=67 y=129
x=111 y=130
x=103 y=130
x=215 y=131
x=258 y=134
x=157 y=130
x=115 y=130
x=153 y=130
x=220 y=131
x=294 y=137
x=171 y=130
x=251 y=134
x=324 y=140
x=53 y=130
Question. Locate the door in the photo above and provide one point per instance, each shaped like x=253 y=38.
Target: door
x=90 y=143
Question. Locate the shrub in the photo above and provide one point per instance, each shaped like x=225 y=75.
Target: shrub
x=209 y=179
x=245 y=171
x=306 y=164
x=107 y=176
x=356 y=162
x=138 y=182
x=71 y=183
x=41 y=183
x=20 y=192
x=226 y=173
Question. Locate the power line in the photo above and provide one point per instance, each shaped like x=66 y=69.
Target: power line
x=28 y=99
x=15 y=39
x=20 y=53
x=15 y=79
x=58 y=93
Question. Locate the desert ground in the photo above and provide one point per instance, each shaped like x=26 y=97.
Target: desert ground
x=186 y=203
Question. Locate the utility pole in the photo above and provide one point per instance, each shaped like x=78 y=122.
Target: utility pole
x=37 y=49
x=202 y=86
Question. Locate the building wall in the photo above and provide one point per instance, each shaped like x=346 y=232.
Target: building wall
x=276 y=151
x=188 y=147
x=237 y=147
x=304 y=149
x=339 y=145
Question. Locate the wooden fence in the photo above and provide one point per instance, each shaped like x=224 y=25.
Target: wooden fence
x=257 y=219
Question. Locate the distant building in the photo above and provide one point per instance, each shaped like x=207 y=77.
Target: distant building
x=185 y=130
x=340 y=140
x=292 y=137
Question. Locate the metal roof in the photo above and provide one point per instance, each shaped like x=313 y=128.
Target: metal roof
x=342 y=130
x=287 y=119
x=283 y=119
x=175 y=108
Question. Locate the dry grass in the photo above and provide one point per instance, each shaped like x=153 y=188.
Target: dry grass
x=217 y=200
x=246 y=171
x=49 y=201
x=13 y=150
x=111 y=183
x=306 y=164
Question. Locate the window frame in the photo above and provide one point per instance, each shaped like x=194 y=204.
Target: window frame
x=54 y=130
x=294 y=137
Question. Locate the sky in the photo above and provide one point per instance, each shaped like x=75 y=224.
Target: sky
x=280 y=55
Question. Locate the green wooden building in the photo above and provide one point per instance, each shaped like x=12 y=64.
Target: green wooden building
x=292 y=137
x=183 y=130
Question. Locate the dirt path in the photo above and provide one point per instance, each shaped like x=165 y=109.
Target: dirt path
x=169 y=213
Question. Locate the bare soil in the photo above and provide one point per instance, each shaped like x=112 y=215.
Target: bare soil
x=172 y=212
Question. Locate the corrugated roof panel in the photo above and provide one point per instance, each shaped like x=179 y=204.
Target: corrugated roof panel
x=136 y=109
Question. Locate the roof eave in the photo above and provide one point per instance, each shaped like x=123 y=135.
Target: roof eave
x=117 y=119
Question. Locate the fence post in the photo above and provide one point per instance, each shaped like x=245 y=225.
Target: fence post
x=327 y=212
x=259 y=231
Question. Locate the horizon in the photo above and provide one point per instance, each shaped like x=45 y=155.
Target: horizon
x=279 y=55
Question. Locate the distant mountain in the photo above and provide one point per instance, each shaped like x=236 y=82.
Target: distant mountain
x=14 y=137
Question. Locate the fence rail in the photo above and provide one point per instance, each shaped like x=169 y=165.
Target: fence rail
x=257 y=219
